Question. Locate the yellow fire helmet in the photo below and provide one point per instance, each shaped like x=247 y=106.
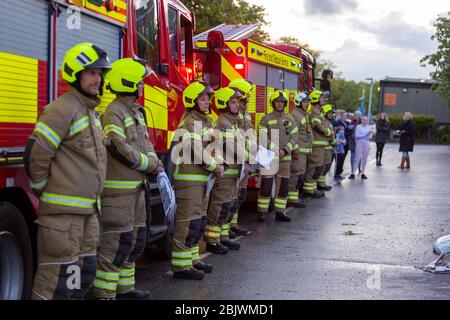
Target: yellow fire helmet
x=83 y=56
x=327 y=108
x=126 y=74
x=279 y=94
x=223 y=95
x=243 y=86
x=315 y=96
x=193 y=91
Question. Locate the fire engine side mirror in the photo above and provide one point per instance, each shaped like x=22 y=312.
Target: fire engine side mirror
x=215 y=40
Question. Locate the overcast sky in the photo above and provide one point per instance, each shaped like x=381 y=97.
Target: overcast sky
x=363 y=38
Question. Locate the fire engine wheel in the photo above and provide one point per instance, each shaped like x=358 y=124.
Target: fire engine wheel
x=16 y=258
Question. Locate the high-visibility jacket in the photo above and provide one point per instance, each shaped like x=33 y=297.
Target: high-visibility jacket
x=65 y=156
x=246 y=127
x=227 y=127
x=305 y=137
x=244 y=120
x=196 y=133
x=287 y=131
x=130 y=153
x=321 y=131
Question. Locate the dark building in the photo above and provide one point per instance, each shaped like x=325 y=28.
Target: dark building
x=398 y=95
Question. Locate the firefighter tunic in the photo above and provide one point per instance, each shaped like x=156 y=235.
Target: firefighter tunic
x=281 y=135
x=65 y=159
x=130 y=158
x=193 y=166
x=302 y=151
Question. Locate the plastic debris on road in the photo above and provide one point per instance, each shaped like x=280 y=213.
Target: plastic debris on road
x=442 y=245
x=440 y=265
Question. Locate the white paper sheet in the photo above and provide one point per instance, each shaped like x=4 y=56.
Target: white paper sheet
x=264 y=157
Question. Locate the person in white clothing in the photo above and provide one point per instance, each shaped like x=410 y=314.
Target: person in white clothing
x=363 y=134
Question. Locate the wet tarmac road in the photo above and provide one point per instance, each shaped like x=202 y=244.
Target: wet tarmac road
x=365 y=240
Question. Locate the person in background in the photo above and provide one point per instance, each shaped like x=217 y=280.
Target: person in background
x=381 y=136
x=363 y=134
x=407 y=129
x=339 y=151
x=351 y=138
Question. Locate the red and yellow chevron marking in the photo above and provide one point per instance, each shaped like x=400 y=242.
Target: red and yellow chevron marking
x=120 y=13
x=18 y=88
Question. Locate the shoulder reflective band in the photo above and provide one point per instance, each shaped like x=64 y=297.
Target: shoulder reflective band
x=320 y=143
x=48 y=133
x=294 y=131
x=98 y=123
x=272 y=122
x=128 y=121
x=115 y=129
x=121 y=184
x=68 y=201
x=79 y=125
x=144 y=163
x=231 y=172
x=142 y=121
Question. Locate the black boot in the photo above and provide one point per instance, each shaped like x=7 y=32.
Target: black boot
x=240 y=231
x=190 y=274
x=324 y=187
x=316 y=194
x=352 y=176
x=134 y=295
x=261 y=216
x=282 y=216
x=205 y=267
x=230 y=244
x=216 y=248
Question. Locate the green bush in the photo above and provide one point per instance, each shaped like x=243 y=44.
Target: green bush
x=443 y=134
x=423 y=123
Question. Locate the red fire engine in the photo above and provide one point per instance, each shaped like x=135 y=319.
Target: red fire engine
x=35 y=36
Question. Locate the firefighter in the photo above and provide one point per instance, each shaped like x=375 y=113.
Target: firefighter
x=281 y=124
x=193 y=167
x=245 y=125
x=224 y=191
x=302 y=151
x=321 y=134
x=327 y=117
x=130 y=158
x=65 y=159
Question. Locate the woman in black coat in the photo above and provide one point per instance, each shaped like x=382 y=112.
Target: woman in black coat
x=382 y=135
x=407 y=129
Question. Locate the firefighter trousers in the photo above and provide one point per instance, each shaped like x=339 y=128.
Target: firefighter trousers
x=239 y=200
x=328 y=155
x=123 y=240
x=222 y=197
x=313 y=169
x=66 y=246
x=297 y=177
x=281 y=188
x=190 y=225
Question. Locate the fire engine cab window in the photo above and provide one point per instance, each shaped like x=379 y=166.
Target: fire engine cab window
x=173 y=36
x=147 y=31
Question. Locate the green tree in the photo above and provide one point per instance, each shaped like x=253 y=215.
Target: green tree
x=346 y=94
x=441 y=58
x=211 y=13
